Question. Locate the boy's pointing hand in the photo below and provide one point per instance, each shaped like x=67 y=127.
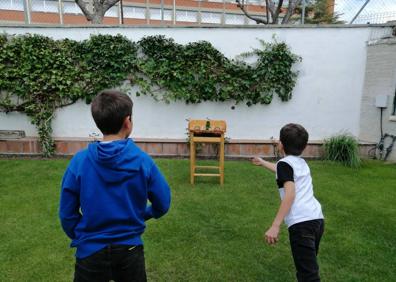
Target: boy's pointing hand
x=258 y=161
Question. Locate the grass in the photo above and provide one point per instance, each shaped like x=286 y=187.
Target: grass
x=211 y=233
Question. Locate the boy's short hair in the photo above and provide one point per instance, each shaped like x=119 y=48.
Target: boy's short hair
x=294 y=139
x=109 y=110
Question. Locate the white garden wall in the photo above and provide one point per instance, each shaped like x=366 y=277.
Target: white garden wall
x=326 y=99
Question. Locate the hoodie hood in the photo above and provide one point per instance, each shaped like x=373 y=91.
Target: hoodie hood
x=115 y=161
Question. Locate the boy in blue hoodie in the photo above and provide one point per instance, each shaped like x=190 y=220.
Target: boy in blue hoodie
x=105 y=194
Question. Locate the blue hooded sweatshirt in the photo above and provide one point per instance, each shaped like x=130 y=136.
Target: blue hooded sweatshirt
x=105 y=194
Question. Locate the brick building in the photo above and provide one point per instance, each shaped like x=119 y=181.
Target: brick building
x=133 y=12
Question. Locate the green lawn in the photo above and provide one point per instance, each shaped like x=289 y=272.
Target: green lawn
x=211 y=233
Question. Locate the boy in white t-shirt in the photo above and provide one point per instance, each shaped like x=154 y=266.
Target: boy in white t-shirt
x=299 y=209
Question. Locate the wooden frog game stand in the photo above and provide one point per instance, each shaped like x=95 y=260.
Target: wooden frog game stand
x=206 y=131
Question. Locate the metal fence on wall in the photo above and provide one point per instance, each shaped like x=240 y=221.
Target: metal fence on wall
x=366 y=11
x=143 y=12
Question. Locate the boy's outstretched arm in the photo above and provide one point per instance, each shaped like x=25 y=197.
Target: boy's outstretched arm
x=268 y=165
x=271 y=236
x=158 y=194
x=69 y=213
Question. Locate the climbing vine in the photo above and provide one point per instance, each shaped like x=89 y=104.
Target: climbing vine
x=198 y=72
x=39 y=75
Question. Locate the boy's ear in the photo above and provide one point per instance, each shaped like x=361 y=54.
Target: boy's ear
x=129 y=122
x=127 y=126
x=280 y=146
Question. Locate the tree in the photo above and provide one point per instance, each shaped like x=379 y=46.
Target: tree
x=273 y=11
x=284 y=12
x=94 y=10
x=319 y=12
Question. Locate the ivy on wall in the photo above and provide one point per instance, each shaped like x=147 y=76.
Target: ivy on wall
x=39 y=74
x=198 y=72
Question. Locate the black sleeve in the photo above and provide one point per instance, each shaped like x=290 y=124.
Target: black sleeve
x=284 y=173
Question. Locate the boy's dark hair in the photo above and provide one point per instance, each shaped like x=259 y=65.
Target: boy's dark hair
x=109 y=110
x=294 y=138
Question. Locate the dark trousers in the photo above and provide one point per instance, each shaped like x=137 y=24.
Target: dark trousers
x=115 y=262
x=304 y=241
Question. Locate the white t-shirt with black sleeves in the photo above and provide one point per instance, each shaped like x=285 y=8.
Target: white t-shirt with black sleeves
x=305 y=206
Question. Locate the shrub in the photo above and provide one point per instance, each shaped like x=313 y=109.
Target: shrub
x=343 y=148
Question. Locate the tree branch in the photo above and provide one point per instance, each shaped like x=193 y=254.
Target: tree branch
x=290 y=10
x=107 y=4
x=271 y=8
x=266 y=10
x=241 y=5
x=277 y=12
x=84 y=8
x=99 y=8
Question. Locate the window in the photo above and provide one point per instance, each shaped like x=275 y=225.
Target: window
x=16 y=5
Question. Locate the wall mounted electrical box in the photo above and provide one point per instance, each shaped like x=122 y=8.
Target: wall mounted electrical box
x=381 y=101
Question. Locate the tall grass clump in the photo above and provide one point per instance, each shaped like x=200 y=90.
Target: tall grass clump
x=343 y=148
